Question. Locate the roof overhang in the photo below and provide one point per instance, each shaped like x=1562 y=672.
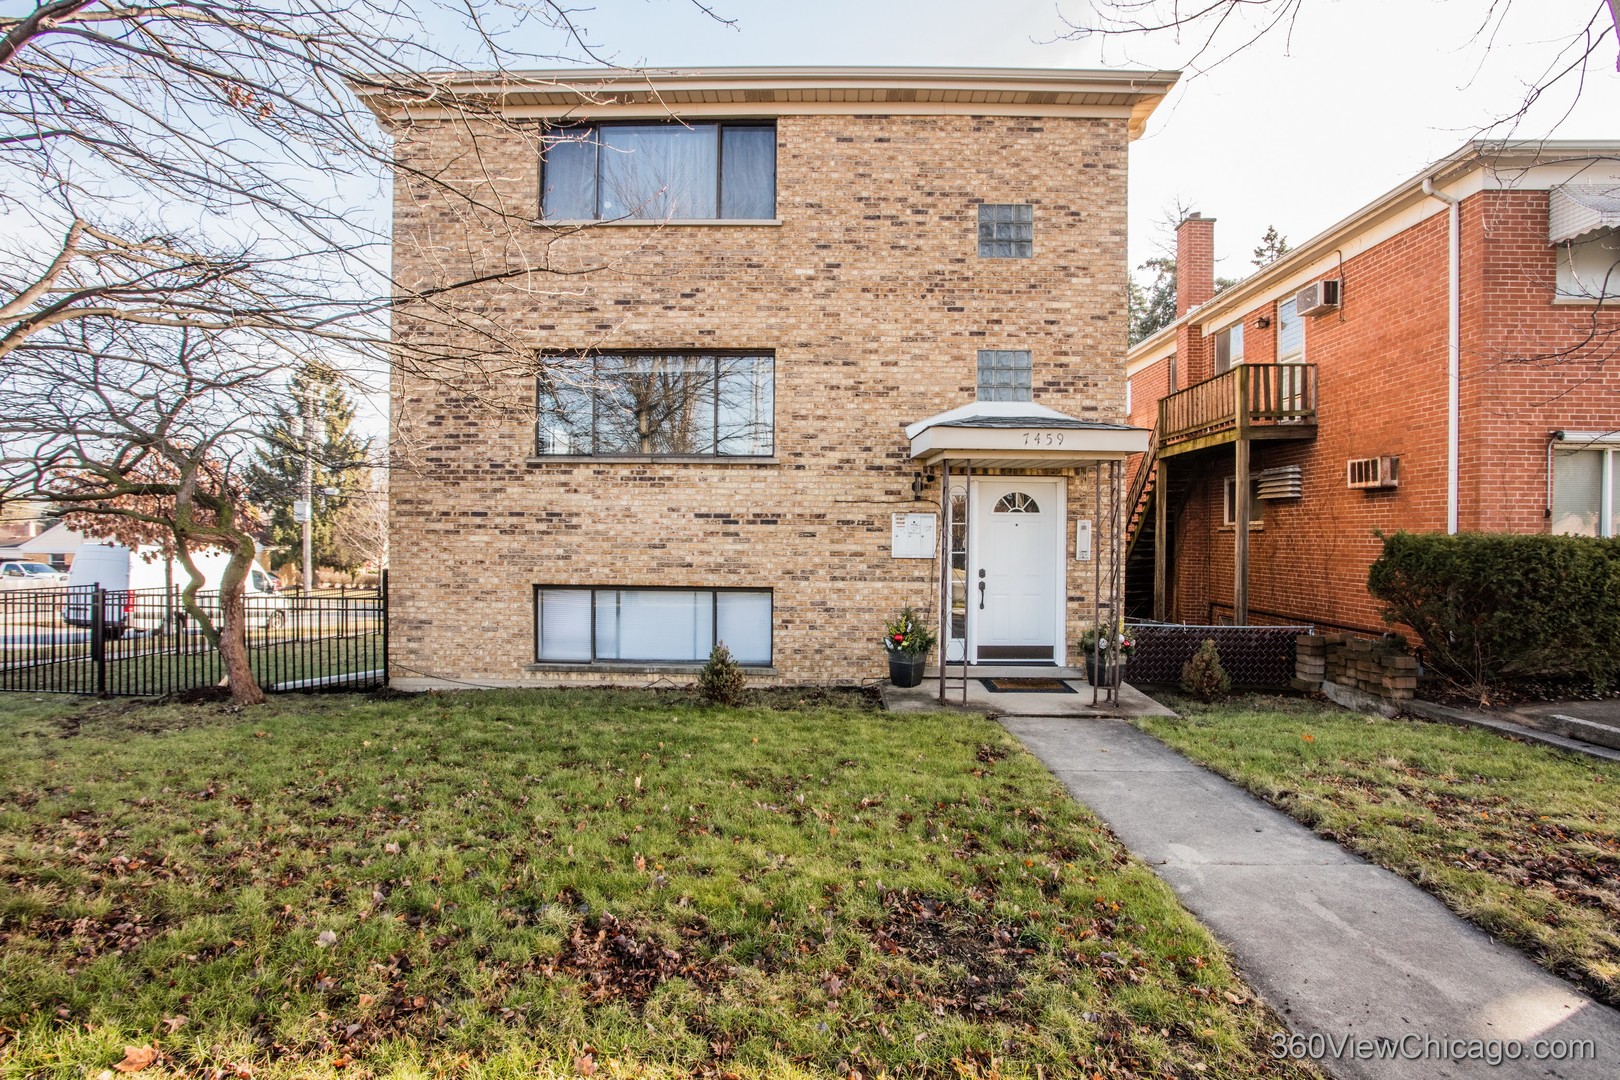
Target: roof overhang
x=1575 y=211
x=761 y=91
x=1506 y=162
x=1020 y=435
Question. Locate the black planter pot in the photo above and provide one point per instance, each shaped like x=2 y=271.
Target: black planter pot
x=1095 y=667
x=906 y=670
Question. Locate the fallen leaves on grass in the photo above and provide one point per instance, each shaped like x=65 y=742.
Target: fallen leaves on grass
x=137 y=1058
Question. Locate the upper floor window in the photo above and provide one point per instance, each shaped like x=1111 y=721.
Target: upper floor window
x=1589 y=268
x=1006 y=375
x=660 y=172
x=658 y=404
x=1290 y=333
x=1229 y=348
x=1006 y=231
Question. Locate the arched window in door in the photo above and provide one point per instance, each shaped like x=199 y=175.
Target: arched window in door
x=1016 y=502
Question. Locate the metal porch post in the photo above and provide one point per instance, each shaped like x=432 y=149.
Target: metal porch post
x=944 y=572
x=1161 y=542
x=1240 y=506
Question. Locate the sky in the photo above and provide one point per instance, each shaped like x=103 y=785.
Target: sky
x=1297 y=130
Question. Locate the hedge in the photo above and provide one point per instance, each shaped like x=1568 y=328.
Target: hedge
x=1491 y=607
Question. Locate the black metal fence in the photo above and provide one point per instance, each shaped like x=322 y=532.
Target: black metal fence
x=142 y=642
x=1258 y=657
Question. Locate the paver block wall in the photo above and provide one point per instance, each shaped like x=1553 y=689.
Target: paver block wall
x=871 y=294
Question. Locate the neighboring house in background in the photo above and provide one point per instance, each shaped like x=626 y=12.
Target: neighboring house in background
x=827 y=286
x=55 y=545
x=1383 y=376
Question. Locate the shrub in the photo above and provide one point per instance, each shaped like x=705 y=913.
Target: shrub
x=1490 y=607
x=907 y=634
x=1203 y=676
x=721 y=681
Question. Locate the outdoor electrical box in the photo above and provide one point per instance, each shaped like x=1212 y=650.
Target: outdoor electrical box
x=1082 y=540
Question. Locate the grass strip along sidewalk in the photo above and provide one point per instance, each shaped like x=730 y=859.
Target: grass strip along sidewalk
x=1522 y=839
x=580 y=883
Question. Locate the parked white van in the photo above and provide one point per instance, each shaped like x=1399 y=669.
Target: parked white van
x=136 y=581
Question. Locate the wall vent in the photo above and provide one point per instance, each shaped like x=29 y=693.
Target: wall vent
x=1373 y=473
x=1285 y=482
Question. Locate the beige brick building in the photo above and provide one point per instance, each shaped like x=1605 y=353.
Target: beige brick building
x=781 y=306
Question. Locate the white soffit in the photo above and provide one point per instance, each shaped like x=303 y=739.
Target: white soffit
x=1577 y=210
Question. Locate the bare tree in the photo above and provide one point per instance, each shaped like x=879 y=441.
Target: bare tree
x=360 y=529
x=195 y=200
x=1214 y=31
x=142 y=437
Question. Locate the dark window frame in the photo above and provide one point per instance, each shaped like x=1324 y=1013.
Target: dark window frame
x=714 y=592
x=718 y=356
x=720 y=127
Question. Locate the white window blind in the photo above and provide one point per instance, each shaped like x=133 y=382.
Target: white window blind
x=652 y=625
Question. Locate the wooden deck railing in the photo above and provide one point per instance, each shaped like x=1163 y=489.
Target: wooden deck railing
x=1246 y=397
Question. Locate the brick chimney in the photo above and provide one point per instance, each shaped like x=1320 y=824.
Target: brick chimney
x=1195 y=262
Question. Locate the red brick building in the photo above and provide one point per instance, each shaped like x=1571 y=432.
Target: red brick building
x=1446 y=358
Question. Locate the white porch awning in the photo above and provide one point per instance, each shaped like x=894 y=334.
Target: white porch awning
x=1575 y=210
x=1020 y=435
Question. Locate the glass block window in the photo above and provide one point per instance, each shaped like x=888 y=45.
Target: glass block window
x=1005 y=375
x=651 y=625
x=1006 y=231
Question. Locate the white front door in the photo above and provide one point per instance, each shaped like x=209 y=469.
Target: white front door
x=1015 y=585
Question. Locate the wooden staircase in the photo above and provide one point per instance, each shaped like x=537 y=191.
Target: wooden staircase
x=1142 y=525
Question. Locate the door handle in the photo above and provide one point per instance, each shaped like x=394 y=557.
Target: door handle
x=981 y=596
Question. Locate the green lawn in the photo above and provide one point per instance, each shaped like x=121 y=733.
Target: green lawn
x=576 y=883
x=1522 y=839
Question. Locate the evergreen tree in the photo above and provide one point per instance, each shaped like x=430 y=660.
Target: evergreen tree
x=1153 y=306
x=338 y=458
x=1272 y=246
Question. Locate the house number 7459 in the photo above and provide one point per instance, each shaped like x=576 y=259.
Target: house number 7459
x=1043 y=438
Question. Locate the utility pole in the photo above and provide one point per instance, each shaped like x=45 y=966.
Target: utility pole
x=303 y=429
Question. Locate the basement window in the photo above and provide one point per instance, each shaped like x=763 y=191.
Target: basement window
x=650 y=625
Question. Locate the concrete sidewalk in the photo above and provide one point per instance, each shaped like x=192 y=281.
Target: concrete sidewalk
x=1337 y=946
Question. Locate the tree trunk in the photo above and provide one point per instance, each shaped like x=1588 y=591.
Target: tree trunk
x=233 y=649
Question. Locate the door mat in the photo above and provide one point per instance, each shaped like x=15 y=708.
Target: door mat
x=1027 y=686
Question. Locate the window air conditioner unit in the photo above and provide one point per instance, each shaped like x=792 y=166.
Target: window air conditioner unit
x=1317 y=297
x=1373 y=473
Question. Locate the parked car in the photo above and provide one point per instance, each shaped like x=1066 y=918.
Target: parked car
x=136 y=581
x=16 y=574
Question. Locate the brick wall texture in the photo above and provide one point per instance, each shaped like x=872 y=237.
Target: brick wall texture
x=872 y=296
x=1529 y=366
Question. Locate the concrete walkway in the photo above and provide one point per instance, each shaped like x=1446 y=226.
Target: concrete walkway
x=980 y=699
x=1337 y=946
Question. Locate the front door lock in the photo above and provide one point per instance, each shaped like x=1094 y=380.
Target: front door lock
x=981 y=590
